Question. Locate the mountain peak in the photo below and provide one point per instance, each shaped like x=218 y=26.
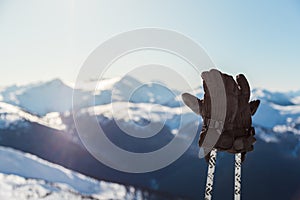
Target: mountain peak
x=56 y=82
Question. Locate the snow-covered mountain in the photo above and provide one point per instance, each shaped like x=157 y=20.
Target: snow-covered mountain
x=25 y=176
x=56 y=96
x=279 y=111
x=279 y=98
x=47 y=129
x=52 y=100
x=39 y=98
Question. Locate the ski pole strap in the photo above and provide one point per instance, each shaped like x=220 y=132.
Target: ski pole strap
x=210 y=174
x=237 y=176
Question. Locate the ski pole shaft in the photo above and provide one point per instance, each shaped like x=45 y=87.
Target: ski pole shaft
x=210 y=174
x=237 y=176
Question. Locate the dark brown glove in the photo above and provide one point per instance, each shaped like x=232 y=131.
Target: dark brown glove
x=237 y=134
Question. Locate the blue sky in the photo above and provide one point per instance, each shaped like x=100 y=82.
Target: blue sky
x=41 y=40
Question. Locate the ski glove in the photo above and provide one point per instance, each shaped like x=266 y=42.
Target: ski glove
x=237 y=134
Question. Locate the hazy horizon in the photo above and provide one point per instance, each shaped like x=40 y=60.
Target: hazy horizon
x=72 y=84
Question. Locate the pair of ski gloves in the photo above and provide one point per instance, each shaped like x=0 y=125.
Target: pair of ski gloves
x=234 y=133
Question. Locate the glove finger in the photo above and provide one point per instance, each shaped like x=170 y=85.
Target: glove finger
x=214 y=83
x=253 y=106
x=230 y=84
x=243 y=86
x=193 y=103
x=231 y=88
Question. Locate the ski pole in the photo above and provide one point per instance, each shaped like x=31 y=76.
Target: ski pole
x=210 y=174
x=237 y=176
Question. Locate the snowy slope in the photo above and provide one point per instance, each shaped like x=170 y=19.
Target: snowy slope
x=18 y=188
x=11 y=116
x=47 y=178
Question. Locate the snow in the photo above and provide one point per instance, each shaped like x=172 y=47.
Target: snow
x=107 y=84
x=56 y=96
x=39 y=98
x=270 y=114
x=285 y=128
x=131 y=113
x=54 y=120
x=279 y=98
x=279 y=112
x=149 y=102
x=103 y=84
x=296 y=100
x=10 y=115
x=8 y=120
x=23 y=174
x=266 y=136
x=18 y=188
